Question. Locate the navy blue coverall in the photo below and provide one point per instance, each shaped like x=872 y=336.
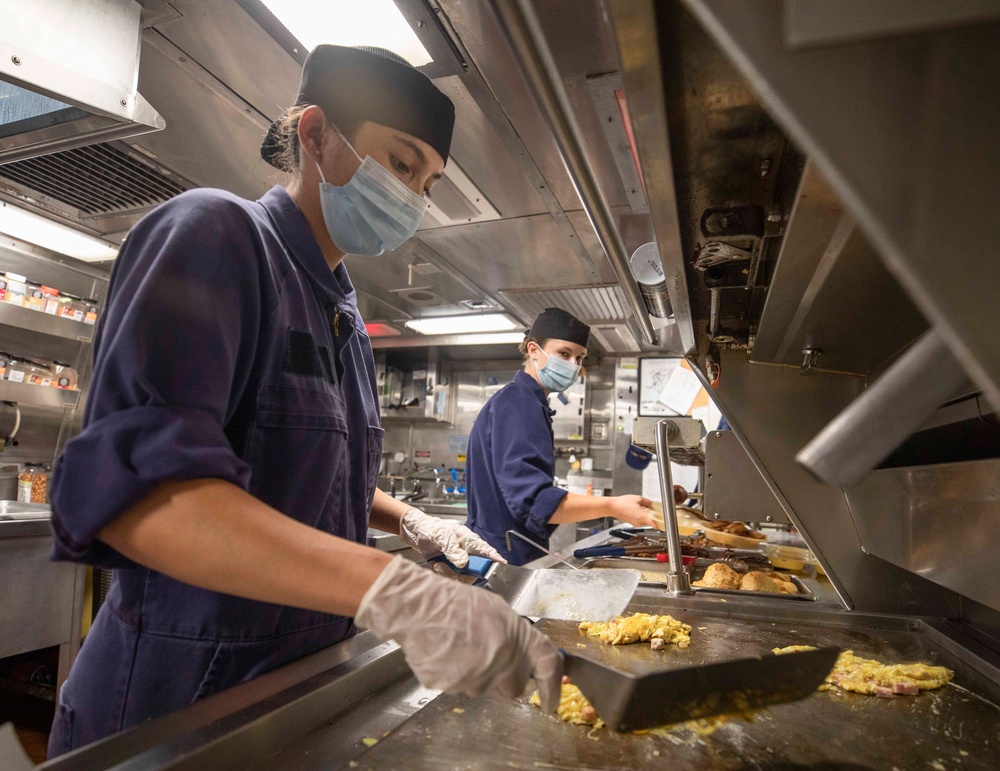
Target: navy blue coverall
x=510 y=470
x=228 y=350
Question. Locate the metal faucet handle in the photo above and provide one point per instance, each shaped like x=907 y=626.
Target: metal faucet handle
x=538 y=546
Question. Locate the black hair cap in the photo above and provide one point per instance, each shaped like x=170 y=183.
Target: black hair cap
x=558 y=324
x=352 y=85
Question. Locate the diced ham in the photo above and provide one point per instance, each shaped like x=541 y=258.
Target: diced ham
x=885 y=693
x=656 y=644
x=905 y=689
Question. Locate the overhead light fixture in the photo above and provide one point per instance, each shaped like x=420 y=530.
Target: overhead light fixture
x=350 y=23
x=462 y=325
x=28 y=226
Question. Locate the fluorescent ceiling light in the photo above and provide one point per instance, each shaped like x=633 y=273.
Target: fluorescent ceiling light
x=460 y=325
x=30 y=227
x=350 y=23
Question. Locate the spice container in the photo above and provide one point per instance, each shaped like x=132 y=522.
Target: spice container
x=39 y=373
x=3 y=287
x=90 y=314
x=17 y=288
x=17 y=370
x=33 y=483
x=50 y=302
x=4 y=363
x=72 y=307
x=34 y=298
x=64 y=376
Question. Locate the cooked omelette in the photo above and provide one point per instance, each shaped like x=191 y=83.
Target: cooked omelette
x=639 y=627
x=868 y=676
x=573 y=707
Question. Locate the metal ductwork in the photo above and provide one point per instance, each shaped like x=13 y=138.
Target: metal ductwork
x=68 y=75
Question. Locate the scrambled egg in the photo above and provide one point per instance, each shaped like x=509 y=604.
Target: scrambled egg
x=639 y=627
x=853 y=673
x=573 y=707
x=576 y=709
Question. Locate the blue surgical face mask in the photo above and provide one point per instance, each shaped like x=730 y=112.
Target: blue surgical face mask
x=556 y=374
x=373 y=213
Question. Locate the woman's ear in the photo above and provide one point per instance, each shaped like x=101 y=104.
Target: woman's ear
x=312 y=133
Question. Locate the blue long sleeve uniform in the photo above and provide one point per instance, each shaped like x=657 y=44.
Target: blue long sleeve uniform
x=228 y=350
x=510 y=469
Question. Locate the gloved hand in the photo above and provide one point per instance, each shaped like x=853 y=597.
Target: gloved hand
x=459 y=638
x=432 y=536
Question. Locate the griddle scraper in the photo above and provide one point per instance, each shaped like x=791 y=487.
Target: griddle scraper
x=628 y=702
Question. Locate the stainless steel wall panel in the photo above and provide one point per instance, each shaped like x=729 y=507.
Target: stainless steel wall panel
x=523 y=252
x=938 y=521
x=217 y=138
x=734 y=488
x=902 y=130
x=486 y=158
x=223 y=39
x=774 y=411
x=830 y=292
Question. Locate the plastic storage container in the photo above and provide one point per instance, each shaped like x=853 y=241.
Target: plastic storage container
x=90 y=314
x=50 y=302
x=17 y=288
x=64 y=376
x=34 y=298
x=33 y=483
x=17 y=370
x=39 y=373
x=72 y=307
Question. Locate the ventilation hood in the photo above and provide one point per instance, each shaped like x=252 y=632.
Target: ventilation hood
x=68 y=75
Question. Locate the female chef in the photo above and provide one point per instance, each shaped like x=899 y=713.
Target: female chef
x=227 y=465
x=511 y=458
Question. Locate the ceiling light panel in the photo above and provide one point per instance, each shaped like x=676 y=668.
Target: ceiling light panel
x=459 y=325
x=350 y=23
x=28 y=226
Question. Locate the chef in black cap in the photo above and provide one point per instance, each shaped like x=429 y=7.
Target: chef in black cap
x=511 y=462
x=228 y=461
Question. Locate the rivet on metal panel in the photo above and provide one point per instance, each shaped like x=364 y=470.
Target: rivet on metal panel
x=716 y=515
x=16 y=60
x=123 y=102
x=718 y=434
x=769 y=518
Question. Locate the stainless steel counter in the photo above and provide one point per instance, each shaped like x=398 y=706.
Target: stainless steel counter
x=41 y=602
x=323 y=712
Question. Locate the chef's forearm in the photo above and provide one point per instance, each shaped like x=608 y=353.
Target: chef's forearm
x=580 y=508
x=387 y=512
x=210 y=533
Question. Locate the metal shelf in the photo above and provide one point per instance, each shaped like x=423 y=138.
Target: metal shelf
x=37 y=396
x=36 y=321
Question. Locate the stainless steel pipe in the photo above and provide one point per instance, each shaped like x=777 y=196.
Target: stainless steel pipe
x=677 y=579
x=524 y=34
x=881 y=418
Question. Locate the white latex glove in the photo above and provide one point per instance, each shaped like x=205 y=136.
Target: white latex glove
x=459 y=638
x=432 y=536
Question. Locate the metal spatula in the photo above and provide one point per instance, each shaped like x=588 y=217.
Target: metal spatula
x=628 y=702
x=566 y=595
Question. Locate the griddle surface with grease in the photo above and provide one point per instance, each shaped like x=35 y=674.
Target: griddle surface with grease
x=950 y=728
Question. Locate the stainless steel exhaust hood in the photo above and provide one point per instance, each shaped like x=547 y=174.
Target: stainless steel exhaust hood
x=68 y=75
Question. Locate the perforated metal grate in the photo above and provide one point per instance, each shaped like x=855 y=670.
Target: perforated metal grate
x=588 y=303
x=97 y=179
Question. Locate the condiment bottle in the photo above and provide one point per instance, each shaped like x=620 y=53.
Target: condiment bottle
x=33 y=484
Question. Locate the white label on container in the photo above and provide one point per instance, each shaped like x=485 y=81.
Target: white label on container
x=16 y=376
x=24 y=491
